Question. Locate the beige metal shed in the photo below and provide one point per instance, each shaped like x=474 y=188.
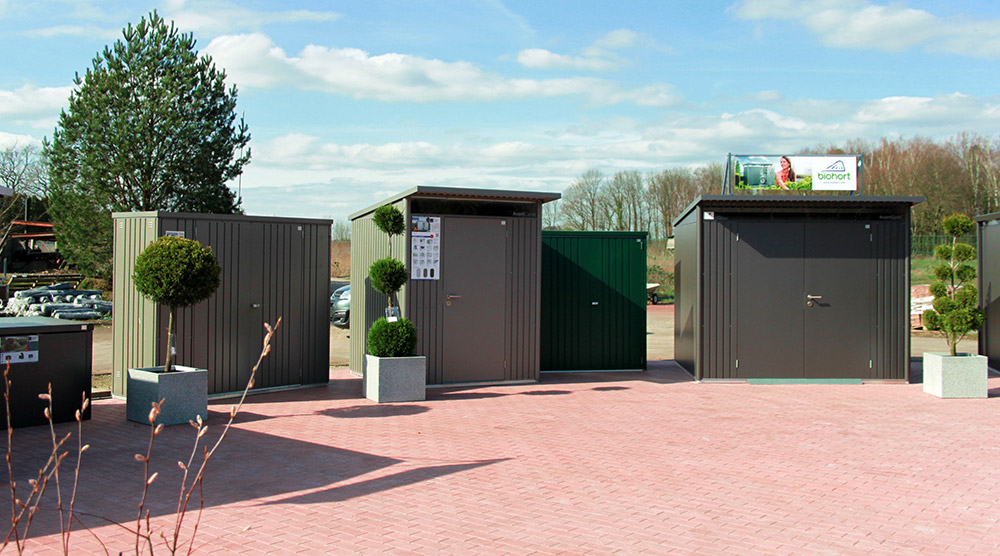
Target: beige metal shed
x=271 y=267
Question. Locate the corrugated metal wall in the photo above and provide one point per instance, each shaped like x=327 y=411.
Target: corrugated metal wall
x=687 y=292
x=891 y=302
x=134 y=327
x=989 y=287
x=719 y=300
x=369 y=244
x=593 y=301
x=521 y=318
x=271 y=267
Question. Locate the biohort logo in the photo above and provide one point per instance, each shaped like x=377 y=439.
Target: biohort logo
x=835 y=171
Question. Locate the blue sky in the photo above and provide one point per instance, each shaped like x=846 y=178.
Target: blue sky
x=349 y=102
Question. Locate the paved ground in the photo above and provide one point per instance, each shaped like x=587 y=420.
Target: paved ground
x=605 y=463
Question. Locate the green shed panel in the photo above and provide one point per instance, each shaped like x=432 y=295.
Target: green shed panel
x=593 y=301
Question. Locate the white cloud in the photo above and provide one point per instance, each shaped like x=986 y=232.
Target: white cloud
x=538 y=58
x=215 y=17
x=29 y=101
x=87 y=31
x=598 y=56
x=892 y=28
x=12 y=140
x=254 y=60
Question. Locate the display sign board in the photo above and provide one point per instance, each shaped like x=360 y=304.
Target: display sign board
x=795 y=172
x=19 y=349
x=425 y=248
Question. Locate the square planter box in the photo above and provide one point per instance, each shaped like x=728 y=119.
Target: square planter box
x=395 y=379
x=961 y=376
x=185 y=390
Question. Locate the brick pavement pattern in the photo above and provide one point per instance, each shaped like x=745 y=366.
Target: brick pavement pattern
x=605 y=463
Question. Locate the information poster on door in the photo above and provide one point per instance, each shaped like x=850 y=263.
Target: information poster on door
x=19 y=349
x=425 y=248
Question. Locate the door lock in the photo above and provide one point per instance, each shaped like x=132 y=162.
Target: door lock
x=811 y=299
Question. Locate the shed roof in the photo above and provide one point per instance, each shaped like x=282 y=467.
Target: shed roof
x=799 y=202
x=987 y=217
x=216 y=217
x=461 y=193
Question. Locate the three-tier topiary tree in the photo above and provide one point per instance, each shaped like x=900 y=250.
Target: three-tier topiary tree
x=176 y=272
x=392 y=335
x=956 y=311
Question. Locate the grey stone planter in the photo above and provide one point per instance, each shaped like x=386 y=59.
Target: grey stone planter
x=185 y=390
x=961 y=376
x=395 y=379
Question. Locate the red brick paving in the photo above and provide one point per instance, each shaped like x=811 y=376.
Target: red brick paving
x=618 y=463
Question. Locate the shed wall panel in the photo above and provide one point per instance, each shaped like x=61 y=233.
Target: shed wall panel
x=719 y=310
x=271 y=268
x=687 y=288
x=593 y=301
x=989 y=289
x=891 y=308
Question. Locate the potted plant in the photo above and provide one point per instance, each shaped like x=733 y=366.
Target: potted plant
x=392 y=373
x=955 y=314
x=174 y=272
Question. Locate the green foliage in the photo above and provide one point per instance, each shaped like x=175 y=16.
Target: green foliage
x=387 y=275
x=656 y=274
x=176 y=272
x=803 y=184
x=151 y=126
x=955 y=311
x=957 y=225
x=392 y=339
x=388 y=219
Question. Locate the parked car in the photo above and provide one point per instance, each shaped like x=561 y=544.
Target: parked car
x=340 y=307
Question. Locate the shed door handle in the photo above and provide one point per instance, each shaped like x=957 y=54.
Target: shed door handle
x=814 y=296
x=453 y=297
x=255 y=305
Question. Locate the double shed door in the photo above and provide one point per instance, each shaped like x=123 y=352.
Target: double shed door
x=804 y=299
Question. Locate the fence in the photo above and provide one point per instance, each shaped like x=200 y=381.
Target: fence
x=924 y=244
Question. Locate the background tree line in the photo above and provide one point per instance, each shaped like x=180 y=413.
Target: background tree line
x=959 y=175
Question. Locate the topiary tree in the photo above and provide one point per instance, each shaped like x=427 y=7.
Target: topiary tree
x=387 y=338
x=956 y=311
x=176 y=272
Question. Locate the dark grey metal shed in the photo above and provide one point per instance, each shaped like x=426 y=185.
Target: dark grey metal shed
x=474 y=257
x=793 y=287
x=271 y=267
x=988 y=238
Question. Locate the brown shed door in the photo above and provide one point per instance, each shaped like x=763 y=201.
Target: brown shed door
x=804 y=306
x=473 y=276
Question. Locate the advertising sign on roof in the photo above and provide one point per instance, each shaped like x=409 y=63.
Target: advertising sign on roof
x=795 y=172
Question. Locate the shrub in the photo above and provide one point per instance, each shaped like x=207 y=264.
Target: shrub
x=955 y=311
x=388 y=219
x=388 y=275
x=392 y=339
x=176 y=272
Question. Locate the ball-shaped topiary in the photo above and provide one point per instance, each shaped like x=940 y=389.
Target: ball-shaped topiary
x=392 y=339
x=176 y=272
x=388 y=275
x=390 y=220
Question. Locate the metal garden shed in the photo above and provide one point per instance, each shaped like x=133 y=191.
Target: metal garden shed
x=474 y=258
x=593 y=301
x=271 y=267
x=988 y=238
x=793 y=287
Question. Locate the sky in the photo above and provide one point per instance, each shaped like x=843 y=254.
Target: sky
x=349 y=102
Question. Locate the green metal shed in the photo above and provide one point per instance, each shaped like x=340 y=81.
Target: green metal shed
x=593 y=301
x=271 y=267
